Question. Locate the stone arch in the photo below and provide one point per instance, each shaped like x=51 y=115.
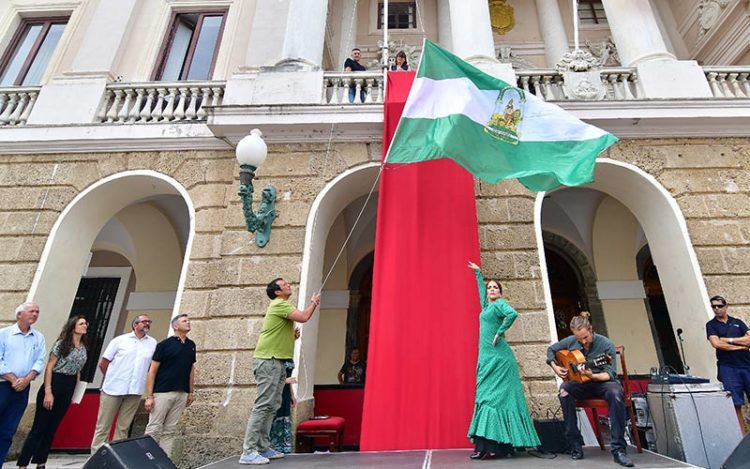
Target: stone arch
x=66 y=252
x=335 y=196
x=587 y=279
x=666 y=231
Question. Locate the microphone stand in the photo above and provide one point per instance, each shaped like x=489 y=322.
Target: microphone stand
x=682 y=351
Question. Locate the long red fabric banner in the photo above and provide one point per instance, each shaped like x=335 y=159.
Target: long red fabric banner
x=422 y=352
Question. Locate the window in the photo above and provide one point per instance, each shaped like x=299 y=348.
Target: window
x=400 y=15
x=591 y=12
x=191 y=48
x=30 y=51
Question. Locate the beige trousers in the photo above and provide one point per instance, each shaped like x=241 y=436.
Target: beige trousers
x=109 y=406
x=162 y=422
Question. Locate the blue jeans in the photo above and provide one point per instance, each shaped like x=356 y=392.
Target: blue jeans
x=610 y=391
x=353 y=92
x=12 y=406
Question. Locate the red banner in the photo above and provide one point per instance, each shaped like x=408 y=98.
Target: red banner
x=424 y=322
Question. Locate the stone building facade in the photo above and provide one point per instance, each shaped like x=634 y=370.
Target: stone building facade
x=92 y=177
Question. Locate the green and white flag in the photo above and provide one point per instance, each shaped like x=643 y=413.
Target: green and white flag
x=494 y=130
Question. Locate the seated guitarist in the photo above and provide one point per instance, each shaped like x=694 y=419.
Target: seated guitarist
x=603 y=384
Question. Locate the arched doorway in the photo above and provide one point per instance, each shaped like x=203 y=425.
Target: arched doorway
x=634 y=204
x=119 y=249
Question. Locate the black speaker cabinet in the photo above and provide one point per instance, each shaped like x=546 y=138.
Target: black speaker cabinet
x=740 y=457
x=135 y=453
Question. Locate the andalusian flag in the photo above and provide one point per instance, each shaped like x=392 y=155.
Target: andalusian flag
x=494 y=130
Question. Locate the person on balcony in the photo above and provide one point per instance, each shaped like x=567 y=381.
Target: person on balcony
x=501 y=420
x=352 y=65
x=401 y=63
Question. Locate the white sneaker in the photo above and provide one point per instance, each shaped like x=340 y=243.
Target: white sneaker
x=253 y=458
x=271 y=453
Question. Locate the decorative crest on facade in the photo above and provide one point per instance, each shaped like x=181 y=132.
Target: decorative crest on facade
x=501 y=16
x=577 y=60
x=708 y=13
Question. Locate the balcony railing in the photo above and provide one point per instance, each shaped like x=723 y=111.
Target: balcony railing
x=729 y=82
x=128 y=103
x=620 y=84
x=16 y=104
x=352 y=88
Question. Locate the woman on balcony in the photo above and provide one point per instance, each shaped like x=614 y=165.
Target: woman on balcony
x=401 y=63
x=66 y=360
x=501 y=420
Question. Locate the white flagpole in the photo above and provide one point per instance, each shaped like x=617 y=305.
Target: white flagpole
x=385 y=47
x=575 y=23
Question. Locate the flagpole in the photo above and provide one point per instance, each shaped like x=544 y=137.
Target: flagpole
x=385 y=48
x=575 y=23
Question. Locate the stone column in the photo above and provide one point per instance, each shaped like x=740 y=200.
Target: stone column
x=635 y=31
x=472 y=39
x=305 y=33
x=79 y=90
x=553 y=31
x=444 y=24
x=639 y=42
x=283 y=63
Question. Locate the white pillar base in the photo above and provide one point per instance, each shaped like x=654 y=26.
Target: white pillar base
x=68 y=101
x=673 y=79
x=268 y=86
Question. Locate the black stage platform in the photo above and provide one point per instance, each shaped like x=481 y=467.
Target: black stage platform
x=453 y=459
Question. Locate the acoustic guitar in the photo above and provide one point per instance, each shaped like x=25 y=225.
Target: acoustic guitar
x=575 y=362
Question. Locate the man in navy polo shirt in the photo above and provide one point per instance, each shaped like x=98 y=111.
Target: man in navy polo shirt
x=731 y=339
x=169 y=385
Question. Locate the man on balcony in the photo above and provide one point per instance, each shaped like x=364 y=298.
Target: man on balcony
x=353 y=65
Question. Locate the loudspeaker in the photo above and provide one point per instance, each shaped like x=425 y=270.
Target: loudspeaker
x=740 y=457
x=136 y=453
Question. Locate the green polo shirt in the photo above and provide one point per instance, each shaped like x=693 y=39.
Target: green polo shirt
x=277 y=336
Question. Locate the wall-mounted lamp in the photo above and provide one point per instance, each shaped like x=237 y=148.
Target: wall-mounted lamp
x=251 y=153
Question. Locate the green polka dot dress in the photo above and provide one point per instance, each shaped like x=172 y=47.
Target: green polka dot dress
x=500 y=410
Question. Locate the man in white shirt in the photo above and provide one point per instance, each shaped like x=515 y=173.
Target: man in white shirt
x=124 y=364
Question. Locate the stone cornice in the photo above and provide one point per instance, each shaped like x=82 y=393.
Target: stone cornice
x=362 y=123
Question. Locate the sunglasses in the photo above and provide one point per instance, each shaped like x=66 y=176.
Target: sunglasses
x=717 y=306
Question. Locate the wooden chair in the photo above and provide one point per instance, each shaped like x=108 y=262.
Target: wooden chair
x=594 y=404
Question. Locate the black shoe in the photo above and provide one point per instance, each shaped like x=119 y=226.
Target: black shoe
x=478 y=455
x=622 y=459
x=576 y=453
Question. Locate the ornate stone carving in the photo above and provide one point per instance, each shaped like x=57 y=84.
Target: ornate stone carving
x=578 y=60
x=708 y=13
x=412 y=54
x=501 y=16
x=605 y=52
x=507 y=56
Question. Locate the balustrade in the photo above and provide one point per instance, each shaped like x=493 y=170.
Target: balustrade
x=621 y=84
x=159 y=102
x=729 y=82
x=367 y=86
x=16 y=104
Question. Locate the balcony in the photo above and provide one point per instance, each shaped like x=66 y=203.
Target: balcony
x=16 y=103
x=215 y=114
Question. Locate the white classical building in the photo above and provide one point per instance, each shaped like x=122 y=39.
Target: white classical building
x=118 y=181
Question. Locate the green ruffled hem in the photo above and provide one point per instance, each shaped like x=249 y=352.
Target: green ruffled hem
x=514 y=427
